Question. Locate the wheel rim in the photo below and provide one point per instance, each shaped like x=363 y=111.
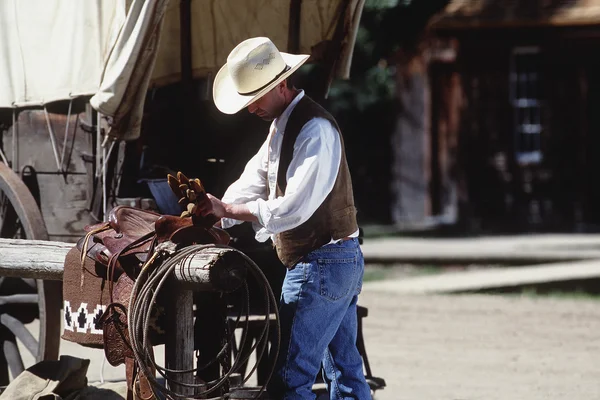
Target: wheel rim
x=30 y=225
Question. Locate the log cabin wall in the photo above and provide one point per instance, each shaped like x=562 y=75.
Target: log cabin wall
x=446 y=104
x=506 y=181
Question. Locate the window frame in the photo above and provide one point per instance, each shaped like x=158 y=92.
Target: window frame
x=526 y=105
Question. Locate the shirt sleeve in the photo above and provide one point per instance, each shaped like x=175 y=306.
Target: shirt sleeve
x=310 y=178
x=250 y=186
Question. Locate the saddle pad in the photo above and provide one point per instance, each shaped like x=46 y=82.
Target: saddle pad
x=85 y=297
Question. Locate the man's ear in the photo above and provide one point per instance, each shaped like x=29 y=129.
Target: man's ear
x=282 y=85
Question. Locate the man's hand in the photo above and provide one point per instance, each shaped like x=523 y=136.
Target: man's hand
x=217 y=207
x=191 y=193
x=224 y=210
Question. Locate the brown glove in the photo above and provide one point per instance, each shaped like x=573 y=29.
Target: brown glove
x=193 y=197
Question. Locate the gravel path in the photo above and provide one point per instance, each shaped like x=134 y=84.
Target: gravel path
x=471 y=347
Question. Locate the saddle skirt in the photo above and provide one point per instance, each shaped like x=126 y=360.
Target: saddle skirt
x=101 y=269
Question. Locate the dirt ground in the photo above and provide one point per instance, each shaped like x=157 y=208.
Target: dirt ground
x=464 y=347
x=468 y=347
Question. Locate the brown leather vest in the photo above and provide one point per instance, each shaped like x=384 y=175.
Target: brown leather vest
x=336 y=216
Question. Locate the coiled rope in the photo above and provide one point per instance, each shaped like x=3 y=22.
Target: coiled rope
x=143 y=299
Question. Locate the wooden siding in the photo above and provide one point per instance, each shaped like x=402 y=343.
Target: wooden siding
x=560 y=193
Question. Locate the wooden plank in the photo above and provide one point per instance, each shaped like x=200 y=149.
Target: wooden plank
x=209 y=269
x=476 y=257
x=523 y=249
x=495 y=278
x=64 y=197
x=64 y=205
x=36 y=259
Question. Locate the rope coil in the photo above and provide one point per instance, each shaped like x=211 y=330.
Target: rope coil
x=143 y=299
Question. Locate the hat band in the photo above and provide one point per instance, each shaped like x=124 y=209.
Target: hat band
x=287 y=68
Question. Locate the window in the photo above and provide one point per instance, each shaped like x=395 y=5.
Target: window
x=526 y=102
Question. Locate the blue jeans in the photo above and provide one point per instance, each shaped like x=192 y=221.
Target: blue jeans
x=319 y=325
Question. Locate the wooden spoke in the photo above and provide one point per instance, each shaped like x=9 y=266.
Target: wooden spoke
x=18 y=329
x=21 y=218
x=19 y=299
x=13 y=357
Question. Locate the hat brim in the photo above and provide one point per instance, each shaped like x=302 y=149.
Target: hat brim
x=229 y=101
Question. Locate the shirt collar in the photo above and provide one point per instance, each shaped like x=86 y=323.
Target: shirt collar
x=281 y=122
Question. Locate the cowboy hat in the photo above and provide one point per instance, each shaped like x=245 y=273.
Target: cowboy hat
x=253 y=68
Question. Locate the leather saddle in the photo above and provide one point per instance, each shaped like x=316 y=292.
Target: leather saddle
x=131 y=233
x=122 y=245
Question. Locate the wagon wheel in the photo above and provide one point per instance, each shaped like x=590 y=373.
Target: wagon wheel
x=23 y=300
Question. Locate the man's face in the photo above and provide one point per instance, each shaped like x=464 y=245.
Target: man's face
x=271 y=105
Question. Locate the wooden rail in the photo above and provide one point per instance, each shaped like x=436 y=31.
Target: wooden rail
x=209 y=270
x=513 y=250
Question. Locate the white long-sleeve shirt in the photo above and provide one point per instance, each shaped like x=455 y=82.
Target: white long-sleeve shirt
x=310 y=176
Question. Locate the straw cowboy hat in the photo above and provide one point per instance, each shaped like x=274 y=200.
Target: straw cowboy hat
x=253 y=68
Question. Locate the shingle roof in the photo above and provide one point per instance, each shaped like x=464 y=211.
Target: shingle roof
x=461 y=14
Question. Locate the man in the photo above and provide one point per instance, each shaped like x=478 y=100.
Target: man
x=297 y=190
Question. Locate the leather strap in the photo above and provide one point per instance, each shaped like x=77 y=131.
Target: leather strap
x=129 y=376
x=143 y=389
x=138 y=385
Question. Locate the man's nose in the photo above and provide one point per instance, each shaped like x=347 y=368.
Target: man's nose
x=252 y=108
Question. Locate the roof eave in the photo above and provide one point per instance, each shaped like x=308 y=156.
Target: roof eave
x=473 y=24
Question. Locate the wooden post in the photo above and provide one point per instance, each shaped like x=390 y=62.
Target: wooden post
x=179 y=345
x=294 y=26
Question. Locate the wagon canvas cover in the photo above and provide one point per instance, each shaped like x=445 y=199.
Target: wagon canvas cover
x=54 y=49
x=114 y=50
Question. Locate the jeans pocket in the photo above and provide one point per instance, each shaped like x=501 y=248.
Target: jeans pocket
x=336 y=276
x=360 y=271
x=359 y=284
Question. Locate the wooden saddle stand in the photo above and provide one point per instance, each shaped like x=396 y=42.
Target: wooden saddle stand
x=100 y=271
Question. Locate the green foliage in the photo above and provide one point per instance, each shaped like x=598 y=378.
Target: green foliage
x=386 y=27
x=372 y=79
x=379 y=4
x=375 y=86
